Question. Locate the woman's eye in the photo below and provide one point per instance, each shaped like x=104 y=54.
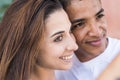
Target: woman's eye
x=58 y=38
x=100 y=16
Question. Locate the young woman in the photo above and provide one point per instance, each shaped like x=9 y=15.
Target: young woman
x=35 y=39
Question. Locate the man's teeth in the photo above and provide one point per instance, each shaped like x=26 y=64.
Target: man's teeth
x=67 y=57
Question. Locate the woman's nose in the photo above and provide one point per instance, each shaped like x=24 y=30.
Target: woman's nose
x=72 y=45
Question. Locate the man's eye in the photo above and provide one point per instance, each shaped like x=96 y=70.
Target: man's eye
x=58 y=38
x=100 y=16
x=77 y=25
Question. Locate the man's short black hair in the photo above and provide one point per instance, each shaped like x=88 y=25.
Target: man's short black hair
x=66 y=3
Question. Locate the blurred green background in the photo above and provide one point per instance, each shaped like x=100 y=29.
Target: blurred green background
x=3 y=6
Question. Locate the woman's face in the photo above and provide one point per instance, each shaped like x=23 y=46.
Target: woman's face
x=58 y=46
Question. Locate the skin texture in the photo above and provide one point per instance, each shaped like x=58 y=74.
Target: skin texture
x=89 y=28
x=59 y=44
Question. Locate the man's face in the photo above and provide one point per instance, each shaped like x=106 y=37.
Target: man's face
x=88 y=25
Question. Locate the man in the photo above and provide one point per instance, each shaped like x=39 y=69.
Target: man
x=96 y=50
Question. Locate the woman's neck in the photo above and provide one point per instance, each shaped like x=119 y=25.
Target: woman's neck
x=43 y=74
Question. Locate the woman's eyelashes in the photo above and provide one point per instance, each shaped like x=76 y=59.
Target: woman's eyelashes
x=58 y=38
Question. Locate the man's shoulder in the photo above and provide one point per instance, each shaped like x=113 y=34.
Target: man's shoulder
x=113 y=47
x=114 y=41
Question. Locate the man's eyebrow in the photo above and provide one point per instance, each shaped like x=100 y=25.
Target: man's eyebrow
x=77 y=20
x=101 y=10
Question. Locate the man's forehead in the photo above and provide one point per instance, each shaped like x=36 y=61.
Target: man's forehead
x=84 y=9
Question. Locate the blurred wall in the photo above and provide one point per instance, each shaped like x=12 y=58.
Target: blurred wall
x=112 y=10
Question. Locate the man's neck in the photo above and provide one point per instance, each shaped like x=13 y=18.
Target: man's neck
x=85 y=57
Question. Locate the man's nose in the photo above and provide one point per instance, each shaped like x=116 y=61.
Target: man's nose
x=94 y=29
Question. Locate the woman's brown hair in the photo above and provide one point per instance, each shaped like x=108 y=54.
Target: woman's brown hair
x=21 y=30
